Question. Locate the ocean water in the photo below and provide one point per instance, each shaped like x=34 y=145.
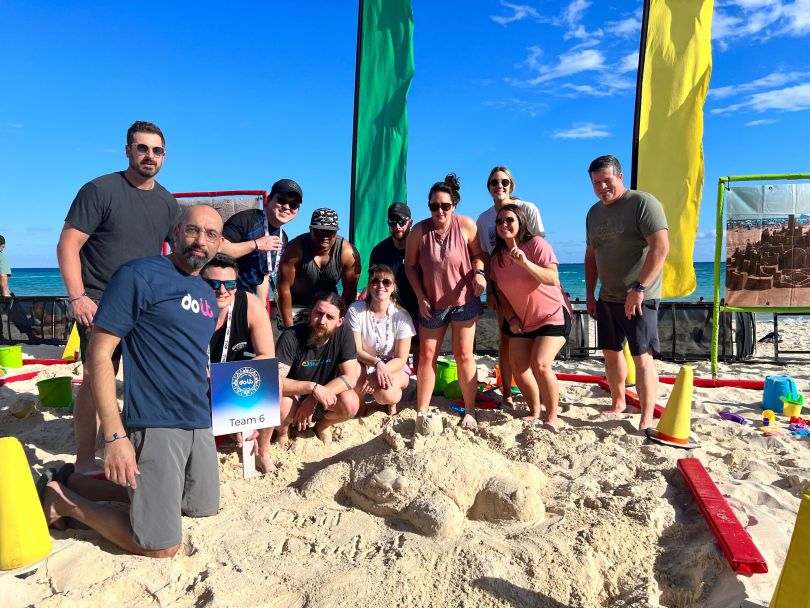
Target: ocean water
x=48 y=281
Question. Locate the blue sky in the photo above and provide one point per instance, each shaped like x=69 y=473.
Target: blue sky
x=251 y=92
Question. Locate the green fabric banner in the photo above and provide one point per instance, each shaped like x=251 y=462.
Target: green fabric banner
x=384 y=72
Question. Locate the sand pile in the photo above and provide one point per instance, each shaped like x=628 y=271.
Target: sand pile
x=511 y=515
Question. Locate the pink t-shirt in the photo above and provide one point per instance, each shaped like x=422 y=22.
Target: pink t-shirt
x=535 y=304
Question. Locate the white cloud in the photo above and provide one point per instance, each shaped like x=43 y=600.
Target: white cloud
x=629 y=63
x=15 y=125
x=774 y=79
x=789 y=99
x=797 y=16
x=573 y=13
x=568 y=64
x=604 y=87
x=519 y=13
x=626 y=28
x=759 y=123
x=583 y=130
x=532 y=108
x=760 y=20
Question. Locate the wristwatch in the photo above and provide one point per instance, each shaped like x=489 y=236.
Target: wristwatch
x=638 y=286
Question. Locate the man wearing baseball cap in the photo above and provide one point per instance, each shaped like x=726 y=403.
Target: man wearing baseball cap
x=313 y=263
x=257 y=240
x=391 y=252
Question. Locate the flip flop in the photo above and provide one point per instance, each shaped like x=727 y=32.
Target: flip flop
x=470 y=428
x=44 y=479
x=64 y=472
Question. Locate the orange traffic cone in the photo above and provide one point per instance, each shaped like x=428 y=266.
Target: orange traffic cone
x=24 y=536
x=674 y=428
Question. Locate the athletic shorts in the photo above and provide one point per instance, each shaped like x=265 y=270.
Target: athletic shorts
x=544 y=330
x=443 y=317
x=179 y=475
x=84 y=341
x=613 y=327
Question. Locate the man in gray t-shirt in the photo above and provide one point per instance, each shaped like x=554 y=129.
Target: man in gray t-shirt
x=627 y=243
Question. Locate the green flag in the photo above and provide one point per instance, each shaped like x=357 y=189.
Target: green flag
x=384 y=72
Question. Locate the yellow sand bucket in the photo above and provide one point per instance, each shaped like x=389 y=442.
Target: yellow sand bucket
x=11 y=356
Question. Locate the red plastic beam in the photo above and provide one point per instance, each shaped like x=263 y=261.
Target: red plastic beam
x=630 y=398
x=47 y=361
x=699 y=382
x=737 y=545
x=17 y=378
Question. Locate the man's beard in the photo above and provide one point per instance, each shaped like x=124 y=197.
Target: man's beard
x=194 y=261
x=318 y=336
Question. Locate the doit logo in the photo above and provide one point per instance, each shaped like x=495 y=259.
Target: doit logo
x=189 y=303
x=245 y=381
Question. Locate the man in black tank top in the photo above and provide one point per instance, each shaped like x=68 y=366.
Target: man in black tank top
x=313 y=263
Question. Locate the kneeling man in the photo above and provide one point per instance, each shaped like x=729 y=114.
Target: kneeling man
x=161 y=456
x=318 y=364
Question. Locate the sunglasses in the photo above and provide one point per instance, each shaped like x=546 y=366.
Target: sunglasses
x=287 y=202
x=384 y=282
x=143 y=149
x=442 y=206
x=494 y=183
x=194 y=231
x=509 y=220
x=216 y=284
x=323 y=234
x=400 y=222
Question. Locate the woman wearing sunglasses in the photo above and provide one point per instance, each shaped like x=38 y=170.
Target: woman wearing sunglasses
x=243 y=331
x=536 y=312
x=445 y=267
x=382 y=333
x=501 y=185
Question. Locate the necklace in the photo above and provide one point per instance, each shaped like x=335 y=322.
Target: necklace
x=380 y=339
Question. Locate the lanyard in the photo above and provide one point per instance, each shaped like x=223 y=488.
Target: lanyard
x=380 y=342
x=272 y=265
x=226 y=342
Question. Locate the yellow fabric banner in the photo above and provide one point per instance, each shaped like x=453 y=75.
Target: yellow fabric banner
x=677 y=64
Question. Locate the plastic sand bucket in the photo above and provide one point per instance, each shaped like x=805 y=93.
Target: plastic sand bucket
x=11 y=356
x=452 y=390
x=776 y=387
x=56 y=392
x=446 y=372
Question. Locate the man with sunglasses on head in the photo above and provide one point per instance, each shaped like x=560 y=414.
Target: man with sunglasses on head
x=257 y=240
x=316 y=262
x=114 y=218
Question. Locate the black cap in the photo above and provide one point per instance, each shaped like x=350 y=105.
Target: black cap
x=324 y=219
x=399 y=211
x=286 y=186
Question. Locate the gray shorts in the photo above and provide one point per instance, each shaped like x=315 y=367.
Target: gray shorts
x=613 y=327
x=179 y=475
x=445 y=316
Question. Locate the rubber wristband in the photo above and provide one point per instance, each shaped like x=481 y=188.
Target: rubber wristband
x=79 y=297
x=481 y=271
x=115 y=438
x=346 y=382
x=255 y=245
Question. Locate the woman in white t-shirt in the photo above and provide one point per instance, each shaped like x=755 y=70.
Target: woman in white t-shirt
x=382 y=332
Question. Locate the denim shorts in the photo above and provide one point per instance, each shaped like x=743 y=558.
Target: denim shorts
x=444 y=316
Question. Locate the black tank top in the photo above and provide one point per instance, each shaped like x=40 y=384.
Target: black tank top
x=310 y=279
x=240 y=347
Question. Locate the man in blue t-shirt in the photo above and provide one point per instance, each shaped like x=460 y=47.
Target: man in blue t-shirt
x=162 y=449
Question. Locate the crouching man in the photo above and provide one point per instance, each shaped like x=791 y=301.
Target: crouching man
x=161 y=457
x=319 y=370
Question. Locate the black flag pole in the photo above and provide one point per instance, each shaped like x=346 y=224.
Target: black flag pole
x=642 y=56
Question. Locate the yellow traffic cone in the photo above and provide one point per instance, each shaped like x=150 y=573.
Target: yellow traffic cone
x=72 y=346
x=793 y=588
x=631 y=367
x=24 y=536
x=674 y=428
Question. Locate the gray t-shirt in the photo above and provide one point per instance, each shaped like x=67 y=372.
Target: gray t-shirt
x=123 y=222
x=617 y=232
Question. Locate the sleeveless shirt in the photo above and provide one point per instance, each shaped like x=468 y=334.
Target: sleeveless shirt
x=446 y=267
x=311 y=279
x=240 y=347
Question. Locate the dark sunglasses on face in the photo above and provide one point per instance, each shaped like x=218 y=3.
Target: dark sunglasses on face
x=494 y=183
x=443 y=206
x=288 y=202
x=323 y=234
x=400 y=222
x=508 y=220
x=143 y=149
x=384 y=282
x=216 y=284
x=194 y=231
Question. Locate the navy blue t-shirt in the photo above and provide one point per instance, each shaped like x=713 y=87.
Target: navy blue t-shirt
x=165 y=319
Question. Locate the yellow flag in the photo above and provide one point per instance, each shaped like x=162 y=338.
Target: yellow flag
x=675 y=66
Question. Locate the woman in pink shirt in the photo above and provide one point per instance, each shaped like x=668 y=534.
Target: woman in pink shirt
x=535 y=310
x=445 y=266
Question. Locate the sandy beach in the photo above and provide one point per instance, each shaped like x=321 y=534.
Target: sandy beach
x=595 y=516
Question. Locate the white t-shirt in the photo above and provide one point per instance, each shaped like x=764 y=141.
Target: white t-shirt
x=486 y=223
x=378 y=335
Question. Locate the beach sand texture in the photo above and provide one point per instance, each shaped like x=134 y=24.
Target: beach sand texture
x=512 y=515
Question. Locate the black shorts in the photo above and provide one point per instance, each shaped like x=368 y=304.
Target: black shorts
x=545 y=330
x=613 y=327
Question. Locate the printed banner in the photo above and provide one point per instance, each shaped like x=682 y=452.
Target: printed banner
x=675 y=66
x=244 y=395
x=768 y=246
